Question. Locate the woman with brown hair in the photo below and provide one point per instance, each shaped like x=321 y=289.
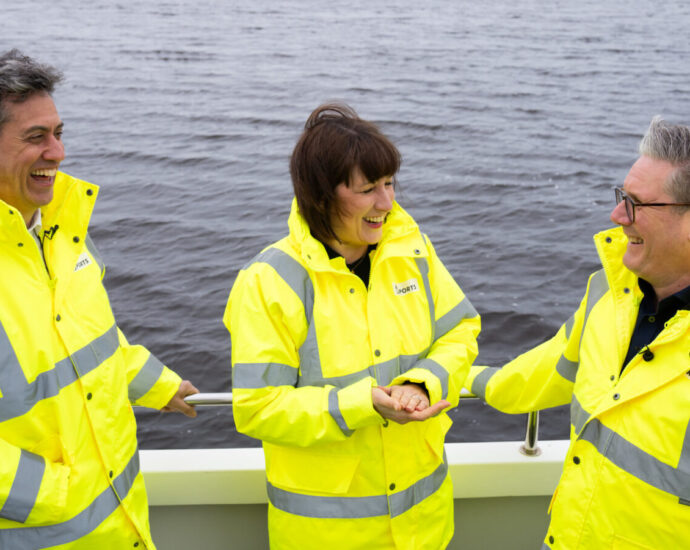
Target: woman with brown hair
x=348 y=323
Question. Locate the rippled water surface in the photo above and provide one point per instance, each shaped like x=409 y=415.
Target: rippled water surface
x=515 y=120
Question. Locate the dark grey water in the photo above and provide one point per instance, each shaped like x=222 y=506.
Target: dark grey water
x=515 y=120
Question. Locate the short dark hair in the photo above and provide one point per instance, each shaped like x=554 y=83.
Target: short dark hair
x=21 y=77
x=335 y=144
x=670 y=143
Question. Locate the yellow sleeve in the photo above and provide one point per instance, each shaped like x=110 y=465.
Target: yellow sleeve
x=267 y=324
x=540 y=378
x=149 y=382
x=454 y=347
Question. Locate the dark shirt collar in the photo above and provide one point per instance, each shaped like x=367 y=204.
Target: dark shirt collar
x=679 y=300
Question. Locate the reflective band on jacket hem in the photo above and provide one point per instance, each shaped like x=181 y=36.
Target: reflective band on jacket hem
x=334 y=409
x=145 y=379
x=18 y=396
x=25 y=486
x=80 y=525
x=635 y=461
x=358 y=507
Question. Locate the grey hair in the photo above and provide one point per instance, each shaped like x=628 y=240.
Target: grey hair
x=670 y=143
x=21 y=77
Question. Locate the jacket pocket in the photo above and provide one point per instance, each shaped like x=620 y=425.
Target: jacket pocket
x=435 y=434
x=306 y=471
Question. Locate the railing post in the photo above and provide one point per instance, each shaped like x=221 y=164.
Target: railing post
x=531 y=446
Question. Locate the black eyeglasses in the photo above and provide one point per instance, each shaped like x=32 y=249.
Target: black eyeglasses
x=631 y=204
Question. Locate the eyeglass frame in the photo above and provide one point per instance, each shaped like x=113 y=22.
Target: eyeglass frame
x=630 y=205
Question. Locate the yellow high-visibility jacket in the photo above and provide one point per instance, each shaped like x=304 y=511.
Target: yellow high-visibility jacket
x=69 y=465
x=309 y=341
x=626 y=478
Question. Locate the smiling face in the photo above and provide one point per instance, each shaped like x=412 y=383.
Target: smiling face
x=361 y=210
x=31 y=150
x=658 y=248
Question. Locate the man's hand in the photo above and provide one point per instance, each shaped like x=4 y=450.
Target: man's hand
x=405 y=403
x=177 y=404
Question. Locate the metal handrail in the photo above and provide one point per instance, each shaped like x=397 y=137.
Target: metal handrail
x=529 y=448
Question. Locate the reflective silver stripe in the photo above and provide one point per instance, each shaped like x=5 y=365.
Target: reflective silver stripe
x=24 y=491
x=481 y=380
x=569 y=326
x=327 y=507
x=545 y=547
x=597 y=288
x=437 y=370
x=297 y=278
x=567 y=369
x=81 y=524
x=423 y=267
x=358 y=507
x=637 y=462
x=311 y=372
x=334 y=410
x=293 y=273
x=19 y=396
x=404 y=500
x=145 y=379
x=464 y=310
x=684 y=461
x=578 y=415
x=261 y=375
x=91 y=247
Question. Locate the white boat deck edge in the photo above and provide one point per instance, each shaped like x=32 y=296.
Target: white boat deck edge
x=176 y=477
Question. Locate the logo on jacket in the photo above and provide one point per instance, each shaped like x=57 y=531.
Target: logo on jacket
x=406 y=287
x=82 y=261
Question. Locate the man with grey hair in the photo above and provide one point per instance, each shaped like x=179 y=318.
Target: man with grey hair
x=69 y=467
x=622 y=363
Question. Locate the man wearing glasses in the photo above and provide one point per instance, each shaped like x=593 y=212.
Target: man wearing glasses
x=622 y=361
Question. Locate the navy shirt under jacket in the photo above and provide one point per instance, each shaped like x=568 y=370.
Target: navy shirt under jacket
x=652 y=317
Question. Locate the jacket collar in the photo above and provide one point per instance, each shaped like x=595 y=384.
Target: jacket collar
x=401 y=237
x=70 y=209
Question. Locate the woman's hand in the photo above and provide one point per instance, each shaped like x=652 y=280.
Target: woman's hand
x=405 y=403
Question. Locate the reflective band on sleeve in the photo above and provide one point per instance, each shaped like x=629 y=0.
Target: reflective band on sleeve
x=567 y=369
x=91 y=247
x=684 y=461
x=635 y=461
x=438 y=371
x=423 y=267
x=145 y=379
x=19 y=396
x=569 y=326
x=334 y=410
x=578 y=415
x=293 y=273
x=25 y=486
x=481 y=380
x=597 y=288
x=464 y=310
x=358 y=507
x=262 y=375
x=545 y=547
x=404 y=500
x=80 y=525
